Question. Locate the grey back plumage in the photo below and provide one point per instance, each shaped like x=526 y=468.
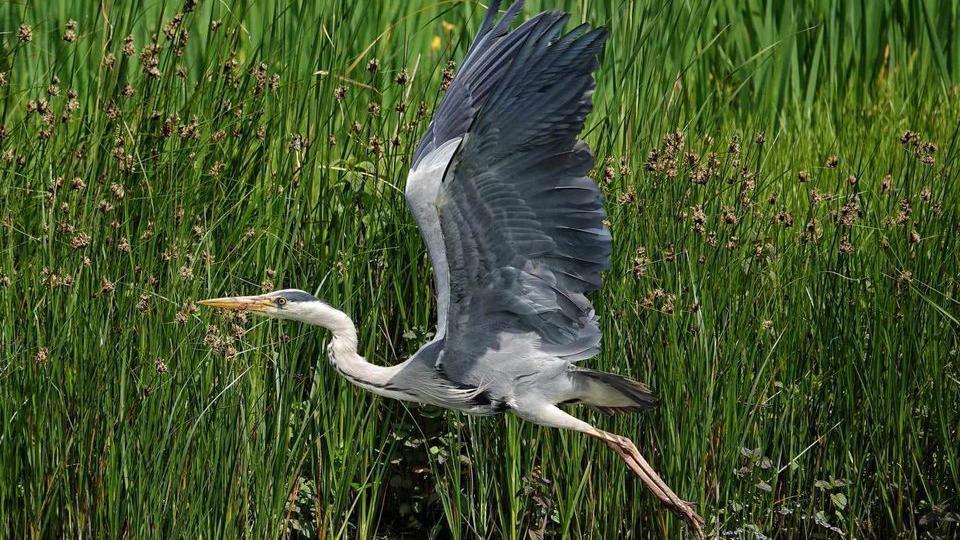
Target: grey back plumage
x=522 y=225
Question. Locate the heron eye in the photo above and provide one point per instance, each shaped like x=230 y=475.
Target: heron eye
x=281 y=301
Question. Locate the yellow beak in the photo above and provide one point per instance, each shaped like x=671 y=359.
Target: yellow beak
x=240 y=303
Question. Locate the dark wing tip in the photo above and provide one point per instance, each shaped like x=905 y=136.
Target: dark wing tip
x=503 y=24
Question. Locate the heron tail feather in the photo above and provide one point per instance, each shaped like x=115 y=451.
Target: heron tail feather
x=612 y=394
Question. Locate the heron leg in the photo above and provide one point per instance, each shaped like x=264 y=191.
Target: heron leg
x=628 y=451
x=553 y=416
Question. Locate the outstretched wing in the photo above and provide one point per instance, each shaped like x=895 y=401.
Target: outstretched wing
x=522 y=225
x=481 y=73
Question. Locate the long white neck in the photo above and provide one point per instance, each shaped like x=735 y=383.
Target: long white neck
x=342 y=350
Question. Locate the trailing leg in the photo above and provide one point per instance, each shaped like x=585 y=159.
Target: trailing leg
x=628 y=451
x=553 y=416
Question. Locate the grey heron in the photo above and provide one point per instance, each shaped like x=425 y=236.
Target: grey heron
x=516 y=233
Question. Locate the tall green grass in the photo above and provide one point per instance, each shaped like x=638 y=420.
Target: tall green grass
x=802 y=336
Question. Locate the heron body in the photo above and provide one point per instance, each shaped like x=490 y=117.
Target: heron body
x=516 y=233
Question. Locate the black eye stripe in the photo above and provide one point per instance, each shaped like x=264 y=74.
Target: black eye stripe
x=287 y=297
x=298 y=296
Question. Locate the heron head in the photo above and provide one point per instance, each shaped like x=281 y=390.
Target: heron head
x=291 y=304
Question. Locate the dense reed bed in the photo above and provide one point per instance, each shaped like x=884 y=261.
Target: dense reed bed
x=782 y=190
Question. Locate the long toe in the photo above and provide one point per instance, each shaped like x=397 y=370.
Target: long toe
x=689 y=511
x=693 y=519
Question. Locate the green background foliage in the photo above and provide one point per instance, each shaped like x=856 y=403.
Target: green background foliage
x=785 y=272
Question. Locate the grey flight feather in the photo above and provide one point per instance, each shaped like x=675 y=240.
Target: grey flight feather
x=522 y=224
x=482 y=69
x=481 y=73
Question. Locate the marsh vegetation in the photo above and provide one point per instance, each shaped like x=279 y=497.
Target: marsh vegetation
x=782 y=187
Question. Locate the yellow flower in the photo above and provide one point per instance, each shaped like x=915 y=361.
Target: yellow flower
x=435 y=44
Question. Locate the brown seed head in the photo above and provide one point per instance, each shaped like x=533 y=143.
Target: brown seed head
x=448 y=75
x=70 y=34
x=374 y=145
x=80 y=241
x=25 y=33
x=128 y=49
x=910 y=138
x=785 y=218
x=914 y=236
x=886 y=184
x=106 y=286
x=143 y=303
x=640 y=263
x=846 y=247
